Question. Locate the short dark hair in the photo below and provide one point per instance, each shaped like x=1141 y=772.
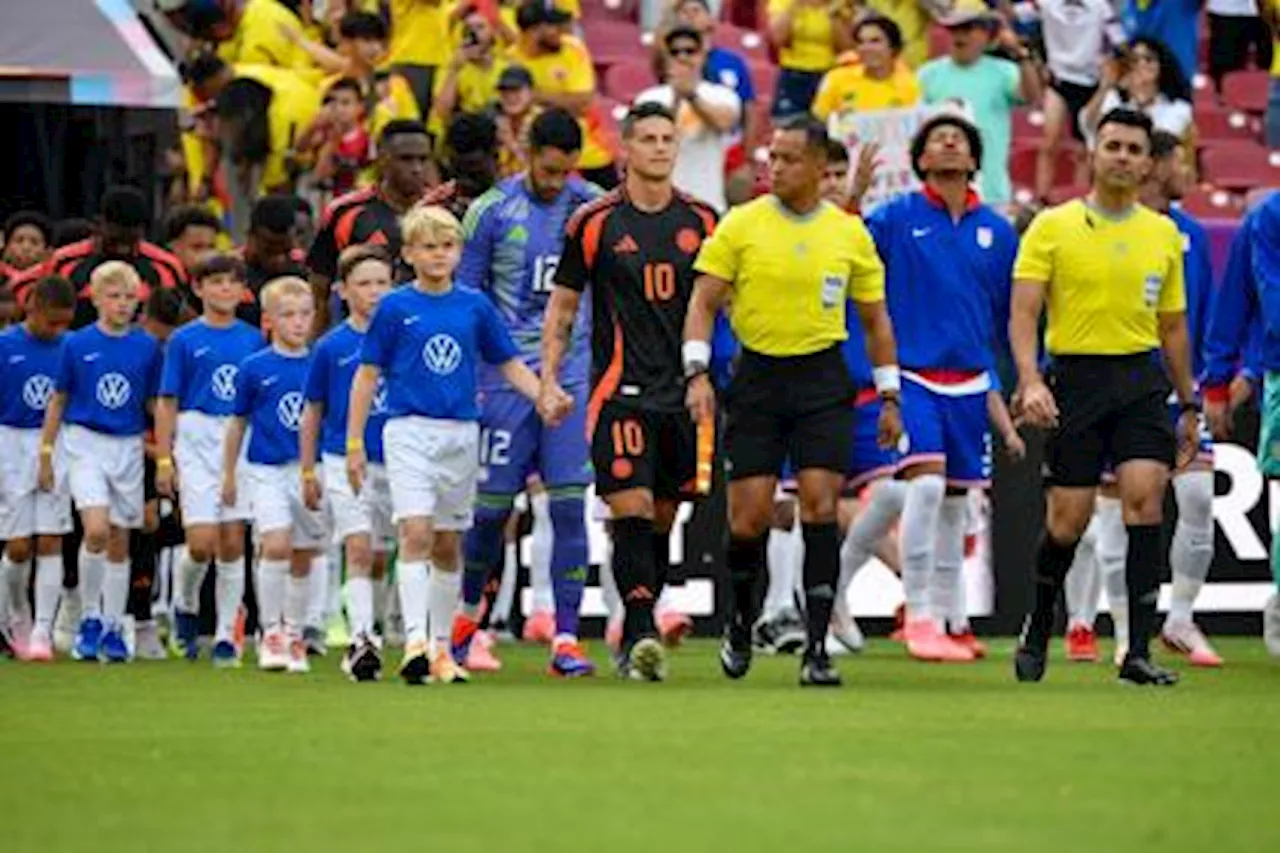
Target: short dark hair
x=815 y=132
x=640 y=112
x=401 y=127
x=166 y=305
x=836 y=152
x=1127 y=117
x=126 y=207
x=189 y=216
x=53 y=291
x=73 y=230
x=274 y=214
x=959 y=122
x=202 y=67
x=348 y=84
x=682 y=32
x=247 y=101
x=555 y=128
x=219 y=263
x=1164 y=144
x=471 y=132
x=32 y=219
x=892 y=32
x=362 y=25
x=354 y=256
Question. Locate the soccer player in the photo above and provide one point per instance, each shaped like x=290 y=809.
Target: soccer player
x=268 y=402
x=106 y=380
x=25 y=241
x=197 y=400
x=191 y=232
x=32 y=521
x=1107 y=399
x=270 y=251
x=1244 y=308
x=427 y=341
x=515 y=237
x=635 y=248
x=361 y=521
x=943 y=247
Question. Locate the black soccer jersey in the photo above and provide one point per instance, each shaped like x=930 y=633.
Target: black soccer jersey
x=352 y=220
x=640 y=269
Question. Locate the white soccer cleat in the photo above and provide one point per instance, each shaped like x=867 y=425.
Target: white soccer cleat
x=1186 y=638
x=1271 y=625
x=67 y=623
x=146 y=642
x=273 y=651
x=298 y=663
x=844 y=637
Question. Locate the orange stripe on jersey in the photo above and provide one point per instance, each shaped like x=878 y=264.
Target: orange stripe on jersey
x=609 y=199
x=346 y=224
x=704 y=211
x=608 y=384
x=341 y=204
x=591 y=233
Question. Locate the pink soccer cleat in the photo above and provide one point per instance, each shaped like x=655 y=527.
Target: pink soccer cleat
x=674 y=626
x=540 y=627
x=899 y=633
x=39 y=649
x=1186 y=638
x=613 y=634
x=968 y=640
x=1082 y=644
x=480 y=657
x=926 y=642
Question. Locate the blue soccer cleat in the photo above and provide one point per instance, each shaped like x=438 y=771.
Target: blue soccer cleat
x=568 y=660
x=88 y=644
x=225 y=656
x=114 y=649
x=186 y=634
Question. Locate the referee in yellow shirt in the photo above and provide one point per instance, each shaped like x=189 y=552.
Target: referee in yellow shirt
x=792 y=262
x=1110 y=271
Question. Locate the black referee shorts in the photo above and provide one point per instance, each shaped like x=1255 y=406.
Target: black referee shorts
x=795 y=407
x=1110 y=408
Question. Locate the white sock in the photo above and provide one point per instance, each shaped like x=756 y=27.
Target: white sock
x=333 y=605
x=360 y=605
x=507 y=588
x=6 y=594
x=228 y=592
x=381 y=600
x=540 y=553
x=1084 y=580
x=444 y=591
x=920 y=513
x=872 y=524
x=48 y=590
x=272 y=579
x=19 y=583
x=115 y=592
x=317 y=592
x=947 y=587
x=608 y=584
x=1111 y=547
x=295 y=604
x=411 y=578
x=1192 y=549
x=92 y=568
x=783 y=551
x=190 y=578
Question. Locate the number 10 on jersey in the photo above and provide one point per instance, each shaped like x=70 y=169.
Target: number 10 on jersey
x=659 y=282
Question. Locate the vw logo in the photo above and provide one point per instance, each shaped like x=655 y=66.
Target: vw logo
x=380 y=397
x=289 y=410
x=223 y=383
x=113 y=391
x=442 y=355
x=36 y=392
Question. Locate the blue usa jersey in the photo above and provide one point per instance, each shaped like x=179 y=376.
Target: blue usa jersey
x=513 y=246
x=429 y=347
x=28 y=366
x=108 y=379
x=1197 y=268
x=333 y=367
x=201 y=363
x=947 y=283
x=269 y=397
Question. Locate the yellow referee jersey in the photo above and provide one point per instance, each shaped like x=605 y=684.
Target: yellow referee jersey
x=791 y=275
x=1106 y=279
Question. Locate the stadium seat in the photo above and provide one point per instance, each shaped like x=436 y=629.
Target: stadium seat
x=1239 y=166
x=763 y=128
x=605 y=37
x=1211 y=204
x=1058 y=195
x=1218 y=124
x=615 y=10
x=1205 y=97
x=752 y=45
x=765 y=77
x=1028 y=125
x=615 y=110
x=1022 y=166
x=624 y=81
x=1246 y=90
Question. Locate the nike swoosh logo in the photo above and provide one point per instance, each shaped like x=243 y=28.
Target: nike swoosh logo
x=409 y=321
x=199 y=352
x=343 y=362
x=920 y=232
x=269 y=381
x=93 y=356
x=17 y=359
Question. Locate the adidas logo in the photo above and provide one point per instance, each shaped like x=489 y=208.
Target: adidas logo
x=626 y=246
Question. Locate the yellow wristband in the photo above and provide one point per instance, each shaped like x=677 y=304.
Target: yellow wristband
x=46 y=450
x=308 y=473
x=164 y=462
x=355 y=444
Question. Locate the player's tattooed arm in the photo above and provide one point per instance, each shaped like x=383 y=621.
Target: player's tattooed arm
x=557 y=329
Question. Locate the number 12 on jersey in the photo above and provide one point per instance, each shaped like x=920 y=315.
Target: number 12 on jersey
x=544 y=273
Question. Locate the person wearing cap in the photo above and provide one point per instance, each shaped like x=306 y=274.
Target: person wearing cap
x=706 y=114
x=564 y=77
x=470 y=81
x=516 y=111
x=808 y=34
x=985 y=87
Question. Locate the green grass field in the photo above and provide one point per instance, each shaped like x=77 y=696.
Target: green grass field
x=905 y=757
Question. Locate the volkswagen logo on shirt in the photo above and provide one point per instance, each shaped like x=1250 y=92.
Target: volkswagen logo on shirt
x=113 y=391
x=289 y=410
x=36 y=392
x=441 y=354
x=223 y=383
x=380 y=397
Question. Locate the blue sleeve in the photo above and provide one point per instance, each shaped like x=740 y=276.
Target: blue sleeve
x=1252 y=365
x=66 y=370
x=318 y=376
x=880 y=224
x=746 y=88
x=477 y=251
x=379 y=343
x=171 y=371
x=496 y=346
x=1202 y=296
x=1234 y=309
x=244 y=391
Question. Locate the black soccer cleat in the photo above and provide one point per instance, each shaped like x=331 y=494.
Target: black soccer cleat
x=1029 y=663
x=366 y=663
x=735 y=652
x=1143 y=673
x=816 y=671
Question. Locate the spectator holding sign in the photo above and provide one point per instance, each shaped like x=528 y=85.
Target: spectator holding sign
x=870 y=77
x=985 y=86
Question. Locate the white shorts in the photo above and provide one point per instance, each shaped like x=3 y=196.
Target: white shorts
x=275 y=496
x=197 y=453
x=25 y=511
x=106 y=472
x=433 y=466
x=370 y=513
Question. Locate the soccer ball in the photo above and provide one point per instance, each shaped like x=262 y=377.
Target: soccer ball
x=203 y=20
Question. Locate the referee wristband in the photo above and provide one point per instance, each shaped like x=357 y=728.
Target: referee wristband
x=696 y=356
x=888 y=379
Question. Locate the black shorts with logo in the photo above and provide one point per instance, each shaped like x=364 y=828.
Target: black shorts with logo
x=1110 y=409
x=636 y=448
x=792 y=407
